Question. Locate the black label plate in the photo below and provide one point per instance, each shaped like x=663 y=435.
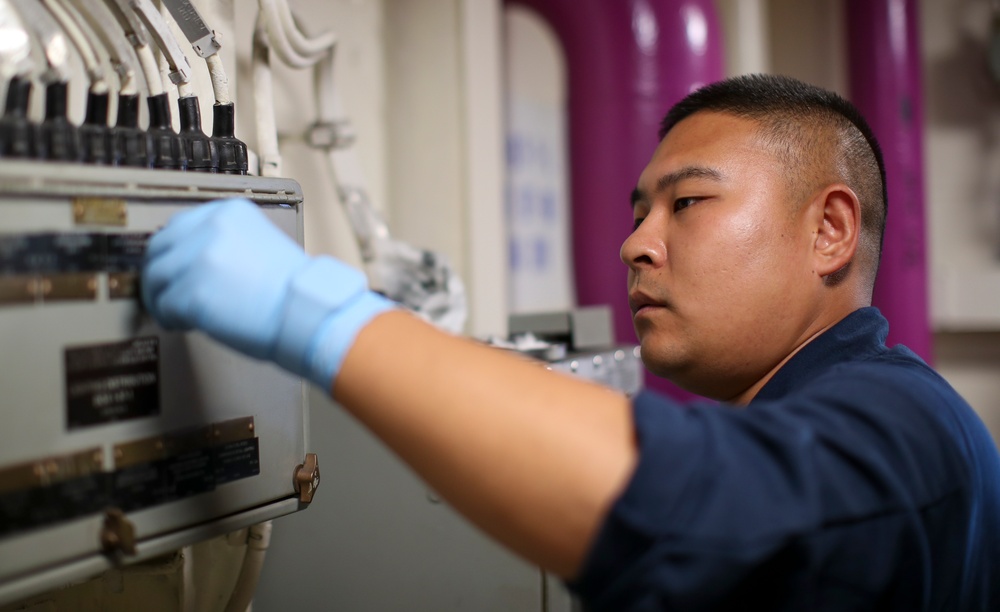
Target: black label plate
x=112 y=382
x=125 y=252
x=237 y=460
x=62 y=501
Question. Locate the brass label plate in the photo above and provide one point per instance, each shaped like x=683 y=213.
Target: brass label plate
x=100 y=211
x=49 y=470
x=123 y=285
x=17 y=289
x=233 y=430
x=58 y=287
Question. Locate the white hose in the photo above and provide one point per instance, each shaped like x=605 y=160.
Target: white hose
x=258 y=540
x=95 y=71
x=220 y=82
x=267 y=130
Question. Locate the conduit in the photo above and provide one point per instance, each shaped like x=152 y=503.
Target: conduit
x=628 y=61
x=885 y=83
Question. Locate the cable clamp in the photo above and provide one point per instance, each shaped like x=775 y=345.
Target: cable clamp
x=331 y=135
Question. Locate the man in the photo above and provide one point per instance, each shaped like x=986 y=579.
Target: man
x=837 y=474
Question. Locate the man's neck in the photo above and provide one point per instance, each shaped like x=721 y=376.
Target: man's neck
x=813 y=331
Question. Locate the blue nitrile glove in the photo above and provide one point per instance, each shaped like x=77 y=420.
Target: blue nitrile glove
x=225 y=269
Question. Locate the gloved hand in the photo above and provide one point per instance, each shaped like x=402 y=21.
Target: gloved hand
x=225 y=269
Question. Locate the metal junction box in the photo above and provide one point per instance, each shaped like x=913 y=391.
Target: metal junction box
x=120 y=441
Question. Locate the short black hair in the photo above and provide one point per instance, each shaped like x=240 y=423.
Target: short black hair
x=787 y=108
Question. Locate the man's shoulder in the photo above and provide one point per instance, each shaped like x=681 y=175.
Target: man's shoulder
x=896 y=395
x=884 y=376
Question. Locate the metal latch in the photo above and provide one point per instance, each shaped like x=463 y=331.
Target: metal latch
x=306 y=478
x=117 y=534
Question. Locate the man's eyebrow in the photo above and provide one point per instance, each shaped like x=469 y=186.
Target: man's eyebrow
x=687 y=172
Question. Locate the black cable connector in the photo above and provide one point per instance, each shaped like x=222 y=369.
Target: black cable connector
x=96 y=138
x=130 y=143
x=58 y=139
x=165 y=145
x=17 y=132
x=200 y=150
x=232 y=151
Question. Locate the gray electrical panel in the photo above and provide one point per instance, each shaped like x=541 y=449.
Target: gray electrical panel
x=122 y=441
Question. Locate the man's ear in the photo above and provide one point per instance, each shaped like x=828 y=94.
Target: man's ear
x=838 y=228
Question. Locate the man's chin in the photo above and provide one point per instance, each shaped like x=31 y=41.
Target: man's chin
x=664 y=363
x=680 y=370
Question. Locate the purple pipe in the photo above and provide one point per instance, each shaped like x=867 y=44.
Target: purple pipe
x=885 y=82
x=629 y=61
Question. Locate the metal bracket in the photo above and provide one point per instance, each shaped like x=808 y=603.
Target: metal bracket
x=204 y=40
x=306 y=478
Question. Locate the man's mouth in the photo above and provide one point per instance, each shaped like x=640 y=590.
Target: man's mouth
x=640 y=302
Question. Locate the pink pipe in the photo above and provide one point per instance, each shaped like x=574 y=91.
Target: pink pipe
x=629 y=61
x=885 y=82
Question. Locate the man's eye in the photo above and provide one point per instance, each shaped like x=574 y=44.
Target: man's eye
x=637 y=223
x=682 y=203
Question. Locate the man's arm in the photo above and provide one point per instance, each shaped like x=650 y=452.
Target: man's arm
x=532 y=457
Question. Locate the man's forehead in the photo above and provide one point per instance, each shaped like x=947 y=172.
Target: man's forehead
x=706 y=130
x=708 y=145
x=708 y=140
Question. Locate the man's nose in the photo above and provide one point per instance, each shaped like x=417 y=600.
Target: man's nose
x=645 y=246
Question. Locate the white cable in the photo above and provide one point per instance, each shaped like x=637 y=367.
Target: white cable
x=278 y=39
x=150 y=69
x=258 y=541
x=163 y=66
x=15 y=54
x=220 y=83
x=161 y=55
x=50 y=38
x=135 y=32
x=427 y=285
x=263 y=86
x=104 y=25
x=129 y=22
x=328 y=106
x=95 y=72
x=177 y=68
x=299 y=41
x=89 y=40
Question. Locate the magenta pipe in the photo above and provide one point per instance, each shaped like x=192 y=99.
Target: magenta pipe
x=885 y=82
x=629 y=61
